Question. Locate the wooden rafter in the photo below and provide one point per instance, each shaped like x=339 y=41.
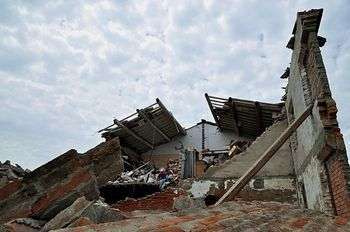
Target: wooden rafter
x=234 y=113
x=144 y=116
x=177 y=125
x=133 y=134
x=212 y=110
x=259 y=121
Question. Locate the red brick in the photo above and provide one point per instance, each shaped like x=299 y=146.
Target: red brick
x=299 y=223
x=60 y=191
x=9 y=189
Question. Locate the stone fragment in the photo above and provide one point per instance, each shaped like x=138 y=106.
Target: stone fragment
x=68 y=215
x=83 y=211
x=183 y=202
x=100 y=212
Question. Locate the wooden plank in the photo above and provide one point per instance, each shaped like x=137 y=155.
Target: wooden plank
x=212 y=110
x=234 y=117
x=133 y=134
x=220 y=98
x=176 y=123
x=144 y=116
x=259 y=121
x=267 y=155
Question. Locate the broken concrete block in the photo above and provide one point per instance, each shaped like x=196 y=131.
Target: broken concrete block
x=68 y=215
x=100 y=212
x=183 y=202
x=47 y=190
x=83 y=211
x=105 y=161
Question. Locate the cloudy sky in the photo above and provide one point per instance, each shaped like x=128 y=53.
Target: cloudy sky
x=68 y=67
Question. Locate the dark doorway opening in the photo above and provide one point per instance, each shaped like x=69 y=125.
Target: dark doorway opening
x=113 y=193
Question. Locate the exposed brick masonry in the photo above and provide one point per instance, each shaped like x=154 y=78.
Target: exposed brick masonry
x=158 y=201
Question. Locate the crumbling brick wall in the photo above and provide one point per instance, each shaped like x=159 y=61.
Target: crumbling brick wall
x=157 y=201
x=318 y=148
x=48 y=189
x=55 y=185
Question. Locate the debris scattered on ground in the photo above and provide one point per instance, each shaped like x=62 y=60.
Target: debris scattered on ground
x=147 y=173
x=230 y=216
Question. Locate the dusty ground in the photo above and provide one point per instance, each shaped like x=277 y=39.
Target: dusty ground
x=230 y=216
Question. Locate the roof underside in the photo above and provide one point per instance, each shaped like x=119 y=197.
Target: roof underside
x=245 y=118
x=145 y=129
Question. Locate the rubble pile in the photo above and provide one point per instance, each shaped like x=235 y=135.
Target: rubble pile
x=230 y=216
x=147 y=173
x=54 y=186
x=47 y=190
x=9 y=172
x=175 y=168
x=66 y=192
x=142 y=174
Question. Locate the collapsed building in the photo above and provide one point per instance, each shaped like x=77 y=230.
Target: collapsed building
x=290 y=152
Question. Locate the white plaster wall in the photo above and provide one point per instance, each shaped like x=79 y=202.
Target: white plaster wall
x=312 y=183
x=278 y=183
x=214 y=139
x=275 y=183
x=201 y=188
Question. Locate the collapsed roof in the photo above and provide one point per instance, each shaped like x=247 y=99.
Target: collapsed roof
x=245 y=118
x=146 y=128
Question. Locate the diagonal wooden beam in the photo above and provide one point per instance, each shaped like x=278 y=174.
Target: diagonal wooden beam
x=144 y=116
x=259 y=121
x=266 y=156
x=234 y=113
x=177 y=125
x=133 y=134
x=212 y=110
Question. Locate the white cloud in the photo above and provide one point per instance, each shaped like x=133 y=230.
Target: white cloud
x=69 y=67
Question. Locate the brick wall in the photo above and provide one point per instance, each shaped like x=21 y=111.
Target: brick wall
x=319 y=137
x=334 y=154
x=157 y=201
x=338 y=175
x=159 y=160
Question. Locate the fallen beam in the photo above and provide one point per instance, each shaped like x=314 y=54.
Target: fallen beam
x=176 y=123
x=212 y=110
x=234 y=113
x=260 y=163
x=129 y=131
x=144 y=116
x=259 y=121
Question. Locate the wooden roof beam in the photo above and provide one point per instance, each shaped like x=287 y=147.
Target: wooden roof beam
x=133 y=134
x=144 y=116
x=177 y=125
x=212 y=110
x=234 y=113
x=259 y=121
